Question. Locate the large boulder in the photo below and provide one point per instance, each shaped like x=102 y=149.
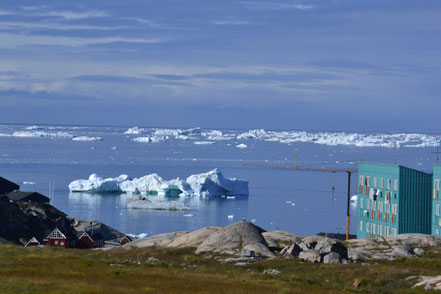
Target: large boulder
x=324 y=245
x=310 y=255
x=235 y=237
x=193 y=239
x=280 y=239
x=157 y=240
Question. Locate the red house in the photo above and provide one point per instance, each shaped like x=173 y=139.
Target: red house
x=60 y=238
x=90 y=240
x=124 y=240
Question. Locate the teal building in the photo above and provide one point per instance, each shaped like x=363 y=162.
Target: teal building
x=436 y=218
x=392 y=200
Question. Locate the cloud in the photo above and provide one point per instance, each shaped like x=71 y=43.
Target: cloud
x=72 y=15
x=254 y=5
x=32 y=26
x=11 y=41
x=230 y=22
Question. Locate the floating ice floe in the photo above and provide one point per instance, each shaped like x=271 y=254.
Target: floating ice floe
x=144 y=203
x=187 y=215
x=87 y=139
x=212 y=183
x=42 y=134
x=342 y=138
x=354 y=198
x=242 y=146
x=204 y=143
x=231 y=216
x=134 y=131
x=29 y=183
x=150 y=139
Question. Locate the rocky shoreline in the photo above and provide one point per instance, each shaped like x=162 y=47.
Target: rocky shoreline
x=243 y=242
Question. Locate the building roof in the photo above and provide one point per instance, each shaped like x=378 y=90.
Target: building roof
x=394 y=165
x=7 y=186
x=27 y=196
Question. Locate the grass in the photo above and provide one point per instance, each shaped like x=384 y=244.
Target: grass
x=53 y=270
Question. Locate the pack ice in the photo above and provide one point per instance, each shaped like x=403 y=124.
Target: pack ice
x=211 y=183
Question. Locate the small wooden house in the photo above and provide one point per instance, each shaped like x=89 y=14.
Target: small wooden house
x=18 y=196
x=60 y=238
x=7 y=186
x=124 y=240
x=33 y=243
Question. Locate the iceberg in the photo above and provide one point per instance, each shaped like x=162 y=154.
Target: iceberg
x=242 y=146
x=134 y=131
x=211 y=183
x=42 y=134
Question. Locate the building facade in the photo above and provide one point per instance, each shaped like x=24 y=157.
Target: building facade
x=393 y=200
x=436 y=216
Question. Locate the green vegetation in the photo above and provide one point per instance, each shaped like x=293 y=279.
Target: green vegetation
x=52 y=270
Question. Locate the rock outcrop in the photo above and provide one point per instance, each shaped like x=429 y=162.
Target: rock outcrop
x=20 y=222
x=235 y=237
x=390 y=247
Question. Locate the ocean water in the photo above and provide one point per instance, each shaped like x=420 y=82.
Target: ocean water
x=302 y=202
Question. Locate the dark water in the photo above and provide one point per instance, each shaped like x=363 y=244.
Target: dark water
x=298 y=201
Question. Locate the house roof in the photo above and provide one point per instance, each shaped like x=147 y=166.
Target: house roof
x=27 y=196
x=7 y=186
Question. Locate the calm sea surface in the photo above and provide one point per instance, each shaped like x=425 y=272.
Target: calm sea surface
x=297 y=201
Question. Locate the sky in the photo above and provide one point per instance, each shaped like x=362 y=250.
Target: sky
x=340 y=65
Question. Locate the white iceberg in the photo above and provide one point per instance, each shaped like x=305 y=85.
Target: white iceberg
x=212 y=183
x=42 y=134
x=87 y=139
x=134 y=131
x=354 y=198
x=242 y=146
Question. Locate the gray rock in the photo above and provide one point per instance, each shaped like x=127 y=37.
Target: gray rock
x=271 y=271
x=158 y=240
x=332 y=258
x=235 y=237
x=280 y=239
x=401 y=251
x=328 y=245
x=310 y=255
x=192 y=239
x=291 y=251
x=414 y=240
x=419 y=251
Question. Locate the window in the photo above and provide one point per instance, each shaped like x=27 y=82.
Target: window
x=437 y=209
x=361 y=202
x=396 y=185
x=368 y=181
x=389 y=182
x=56 y=242
x=62 y=243
x=380 y=230
x=367 y=227
x=361 y=180
x=375 y=182
x=361 y=226
x=437 y=184
x=368 y=202
x=373 y=229
x=437 y=232
x=381 y=183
